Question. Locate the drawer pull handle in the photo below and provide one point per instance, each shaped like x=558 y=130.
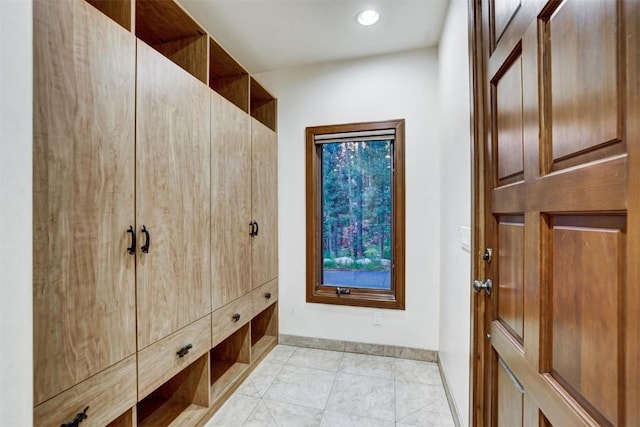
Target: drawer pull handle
x=236 y=317
x=132 y=248
x=184 y=350
x=80 y=416
x=145 y=247
x=267 y=295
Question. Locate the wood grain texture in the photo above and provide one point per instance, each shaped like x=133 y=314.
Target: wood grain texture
x=509 y=121
x=160 y=361
x=584 y=86
x=190 y=53
x=229 y=360
x=264 y=203
x=503 y=11
x=155 y=412
x=120 y=11
x=511 y=277
x=263 y=106
x=107 y=394
x=264 y=324
x=128 y=419
x=227 y=77
x=510 y=399
x=172 y=197
x=190 y=385
x=631 y=14
x=222 y=322
x=230 y=202
x=83 y=194
x=161 y=21
x=265 y=295
x=586 y=314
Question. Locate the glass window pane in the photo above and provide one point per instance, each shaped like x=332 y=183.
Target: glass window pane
x=356 y=214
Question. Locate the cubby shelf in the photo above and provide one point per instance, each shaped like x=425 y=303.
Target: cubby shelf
x=263 y=105
x=165 y=26
x=118 y=10
x=229 y=361
x=183 y=400
x=264 y=331
x=227 y=77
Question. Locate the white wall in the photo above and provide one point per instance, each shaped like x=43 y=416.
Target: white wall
x=394 y=86
x=16 y=63
x=455 y=165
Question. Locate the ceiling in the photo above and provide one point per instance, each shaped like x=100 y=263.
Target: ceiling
x=265 y=35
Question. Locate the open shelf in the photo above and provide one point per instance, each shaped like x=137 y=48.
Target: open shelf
x=263 y=105
x=227 y=77
x=169 y=29
x=264 y=331
x=183 y=400
x=229 y=361
x=127 y=419
x=118 y=10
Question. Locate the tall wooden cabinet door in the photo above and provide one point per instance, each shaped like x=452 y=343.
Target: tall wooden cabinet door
x=264 y=202
x=230 y=201
x=562 y=213
x=172 y=197
x=83 y=189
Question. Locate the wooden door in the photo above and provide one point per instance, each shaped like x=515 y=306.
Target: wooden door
x=558 y=159
x=230 y=201
x=264 y=203
x=172 y=197
x=83 y=190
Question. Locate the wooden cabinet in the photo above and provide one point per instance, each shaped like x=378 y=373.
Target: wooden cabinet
x=264 y=203
x=172 y=197
x=83 y=189
x=230 y=201
x=155 y=217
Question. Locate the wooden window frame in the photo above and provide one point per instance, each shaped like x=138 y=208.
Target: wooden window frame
x=378 y=298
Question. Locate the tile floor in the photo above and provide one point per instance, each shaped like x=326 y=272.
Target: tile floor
x=298 y=387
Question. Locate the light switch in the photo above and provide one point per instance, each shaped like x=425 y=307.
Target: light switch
x=465 y=238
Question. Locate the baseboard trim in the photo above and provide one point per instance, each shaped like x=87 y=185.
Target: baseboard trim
x=362 y=348
x=447 y=391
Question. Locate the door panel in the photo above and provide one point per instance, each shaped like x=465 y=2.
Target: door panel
x=511 y=277
x=264 y=160
x=503 y=11
x=83 y=189
x=561 y=213
x=230 y=201
x=172 y=197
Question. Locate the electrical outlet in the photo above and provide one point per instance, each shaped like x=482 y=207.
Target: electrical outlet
x=377 y=318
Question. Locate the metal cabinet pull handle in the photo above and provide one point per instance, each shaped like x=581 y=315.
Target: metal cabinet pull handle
x=236 y=317
x=267 y=295
x=252 y=232
x=80 y=416
x=257 y=227
x=147 y=242
x=184 y=350
x=132 y=248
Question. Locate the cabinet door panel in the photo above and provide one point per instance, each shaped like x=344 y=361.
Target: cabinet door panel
x=172 y=197
x=264 y=160
x=83 y=189
x=230 y=201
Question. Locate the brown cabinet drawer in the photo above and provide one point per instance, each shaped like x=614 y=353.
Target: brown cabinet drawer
x=161 y=361
x=107 y=395
x=223 y=322
x=264 y=296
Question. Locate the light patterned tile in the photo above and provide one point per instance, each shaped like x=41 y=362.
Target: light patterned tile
x=411 y=397
x=436 y=414
x=287 y=415
x=317 y=359
x=339 y=419
x=364 y=396
x=234 y=412
x=247 y=389
x=264 y=375
x=280 y=354
x=260 y=417
x=364 y=364
x=301 y=386
x=414 y=371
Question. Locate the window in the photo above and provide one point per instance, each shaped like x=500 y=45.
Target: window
x=355 y=214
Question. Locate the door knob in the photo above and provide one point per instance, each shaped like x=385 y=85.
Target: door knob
x=485 y=284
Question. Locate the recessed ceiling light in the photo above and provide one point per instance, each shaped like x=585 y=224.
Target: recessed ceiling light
x=367 y=17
